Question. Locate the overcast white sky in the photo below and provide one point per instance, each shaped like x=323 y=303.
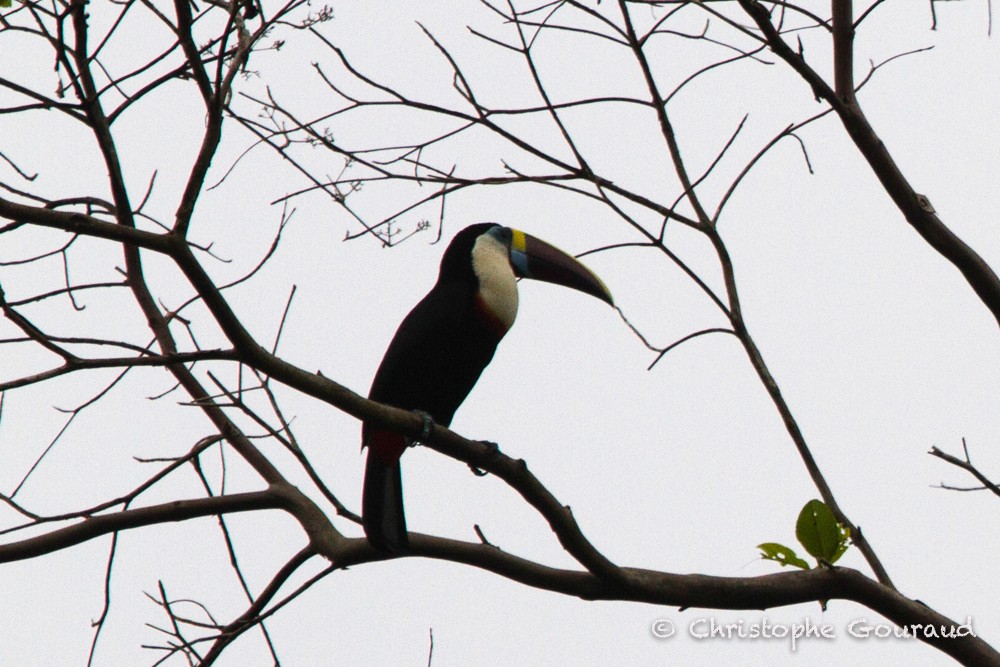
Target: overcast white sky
x=879 y=346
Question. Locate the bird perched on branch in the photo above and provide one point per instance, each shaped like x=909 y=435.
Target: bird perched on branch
x=441 y=348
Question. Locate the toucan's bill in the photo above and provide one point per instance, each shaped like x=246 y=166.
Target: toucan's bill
x=533 y=258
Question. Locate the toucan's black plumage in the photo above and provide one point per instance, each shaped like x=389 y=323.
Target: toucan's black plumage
x=444 y=344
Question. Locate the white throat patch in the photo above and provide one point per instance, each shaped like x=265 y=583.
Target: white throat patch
x=497 y=284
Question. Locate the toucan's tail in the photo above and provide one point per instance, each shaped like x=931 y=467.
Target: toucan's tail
x=382 y=504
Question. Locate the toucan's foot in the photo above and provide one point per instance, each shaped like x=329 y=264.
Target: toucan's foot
x=425 y=432
x=493 y=455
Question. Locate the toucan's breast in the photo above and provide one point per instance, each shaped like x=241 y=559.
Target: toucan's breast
x=496 y=297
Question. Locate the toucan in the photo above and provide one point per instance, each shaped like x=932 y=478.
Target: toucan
x=442 y=347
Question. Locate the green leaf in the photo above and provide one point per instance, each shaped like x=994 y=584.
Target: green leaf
x=5 y=3
x=782 y=555
x=818 y=531
x=845 y=536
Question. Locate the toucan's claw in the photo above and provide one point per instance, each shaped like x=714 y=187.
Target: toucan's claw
x=493 y=456
x=425 y=432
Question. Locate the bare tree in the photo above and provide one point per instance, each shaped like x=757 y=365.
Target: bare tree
x=107 y=275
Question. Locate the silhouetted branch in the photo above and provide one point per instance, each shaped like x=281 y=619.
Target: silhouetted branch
x=965 y=464
x=915 y=207
x=103 y=524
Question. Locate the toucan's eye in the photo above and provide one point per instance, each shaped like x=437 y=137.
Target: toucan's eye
x=501 y=234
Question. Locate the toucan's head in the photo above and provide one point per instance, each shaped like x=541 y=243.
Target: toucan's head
x=493 y=256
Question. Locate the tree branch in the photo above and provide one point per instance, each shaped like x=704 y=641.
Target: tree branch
x=915 y=207
x=967 y=466
x=177 y=510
